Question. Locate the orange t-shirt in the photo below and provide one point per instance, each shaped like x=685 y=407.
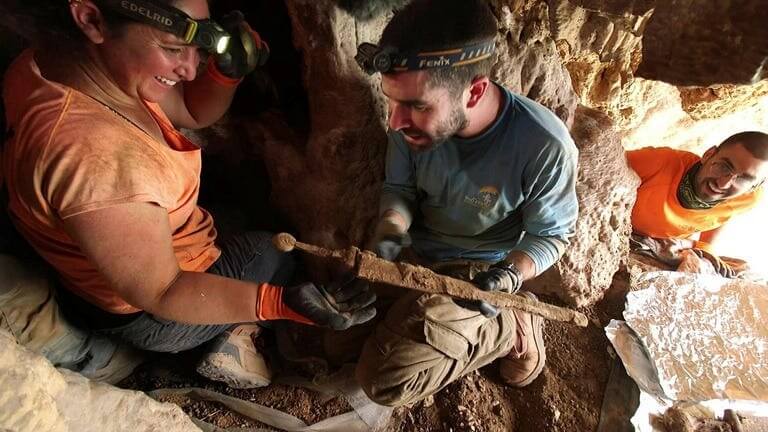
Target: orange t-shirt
x=69 y=154
x=658 y=213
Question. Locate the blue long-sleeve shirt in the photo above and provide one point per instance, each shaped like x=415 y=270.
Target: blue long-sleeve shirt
x=511 y=188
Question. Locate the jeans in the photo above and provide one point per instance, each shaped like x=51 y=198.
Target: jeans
x=248 y=257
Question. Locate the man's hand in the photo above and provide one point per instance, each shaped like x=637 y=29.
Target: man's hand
x=667 y=251
x=388 y=240
x=720 y=266
x=502 y=276
x=339 y=305
x=246 y=50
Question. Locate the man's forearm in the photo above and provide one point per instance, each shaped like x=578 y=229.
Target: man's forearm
x=522 y=262
x=539 y=253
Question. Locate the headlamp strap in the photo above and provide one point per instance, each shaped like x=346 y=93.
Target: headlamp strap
x=444 y=58
x=164 y=18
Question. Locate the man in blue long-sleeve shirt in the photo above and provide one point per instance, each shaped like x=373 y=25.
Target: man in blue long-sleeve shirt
x=474 y=173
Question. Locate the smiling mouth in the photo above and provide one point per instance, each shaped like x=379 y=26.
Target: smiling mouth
x=166 y=81
x=714 y=189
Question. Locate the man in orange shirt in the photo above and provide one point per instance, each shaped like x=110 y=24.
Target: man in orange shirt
x=682 y=195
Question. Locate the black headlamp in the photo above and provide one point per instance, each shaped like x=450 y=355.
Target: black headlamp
x=206 y=34
x=373 y=58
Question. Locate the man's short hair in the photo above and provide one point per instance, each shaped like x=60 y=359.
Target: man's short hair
x=755 y=142
x=433 y=25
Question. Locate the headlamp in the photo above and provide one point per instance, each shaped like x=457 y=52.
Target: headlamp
x=373 y=58
x=206 y=33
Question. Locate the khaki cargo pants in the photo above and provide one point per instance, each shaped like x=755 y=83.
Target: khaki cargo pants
x=29 y=312
x=425 y=341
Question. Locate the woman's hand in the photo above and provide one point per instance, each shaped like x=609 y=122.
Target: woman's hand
x=339 y=305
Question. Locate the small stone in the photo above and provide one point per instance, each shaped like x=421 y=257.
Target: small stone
x=428 y=401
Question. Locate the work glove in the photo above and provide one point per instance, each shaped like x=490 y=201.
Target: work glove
x=246 y=49
x=501 y=276
x=388 y=240
x=339 y=305
x=665 y=250
x=720 y=266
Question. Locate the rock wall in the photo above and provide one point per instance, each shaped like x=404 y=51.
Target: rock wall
x=34 y=396
x=703 y=42
x=528 y=61
x=600 y=46
x=606 y=189
x=328 y=180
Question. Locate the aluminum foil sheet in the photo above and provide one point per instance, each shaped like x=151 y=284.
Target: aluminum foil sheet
x=707 y=336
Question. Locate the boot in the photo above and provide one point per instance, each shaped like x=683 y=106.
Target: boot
x=235 y=360
x=525 y=361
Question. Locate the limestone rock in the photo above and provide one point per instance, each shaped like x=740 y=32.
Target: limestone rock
x=692 y=119
x=606 y=188
x=328 y=181
x=703 y=42
x=600 y=48
x=719 y=100
x=36 y=397
x=633 y=7
x=528 y=61
x=368 y=9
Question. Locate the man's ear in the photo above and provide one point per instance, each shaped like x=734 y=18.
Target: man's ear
x=477 y=90
x=89 y=19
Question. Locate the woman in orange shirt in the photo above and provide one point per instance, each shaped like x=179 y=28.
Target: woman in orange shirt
x=104 y=187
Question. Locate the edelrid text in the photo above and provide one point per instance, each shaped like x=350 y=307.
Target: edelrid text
x=154 y=16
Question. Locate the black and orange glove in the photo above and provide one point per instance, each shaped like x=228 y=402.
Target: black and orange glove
x=246 y=49
x=339 y=305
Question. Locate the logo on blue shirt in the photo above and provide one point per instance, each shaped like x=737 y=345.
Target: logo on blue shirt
x=485 y=200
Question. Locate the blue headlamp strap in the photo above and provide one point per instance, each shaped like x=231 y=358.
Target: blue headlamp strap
x=444 y=58
x=372 y=58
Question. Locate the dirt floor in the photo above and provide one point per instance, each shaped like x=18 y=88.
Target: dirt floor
x=566 y=397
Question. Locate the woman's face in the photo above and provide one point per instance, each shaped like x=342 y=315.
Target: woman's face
x=147 y=62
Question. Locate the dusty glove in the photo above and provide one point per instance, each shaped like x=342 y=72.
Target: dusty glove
x=246 y=49
x=502 y=276
x=338 y=305
x=388 y=240
x=665 y=250
x=720 y=266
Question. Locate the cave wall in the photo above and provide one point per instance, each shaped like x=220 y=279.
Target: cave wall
x=715 y=42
